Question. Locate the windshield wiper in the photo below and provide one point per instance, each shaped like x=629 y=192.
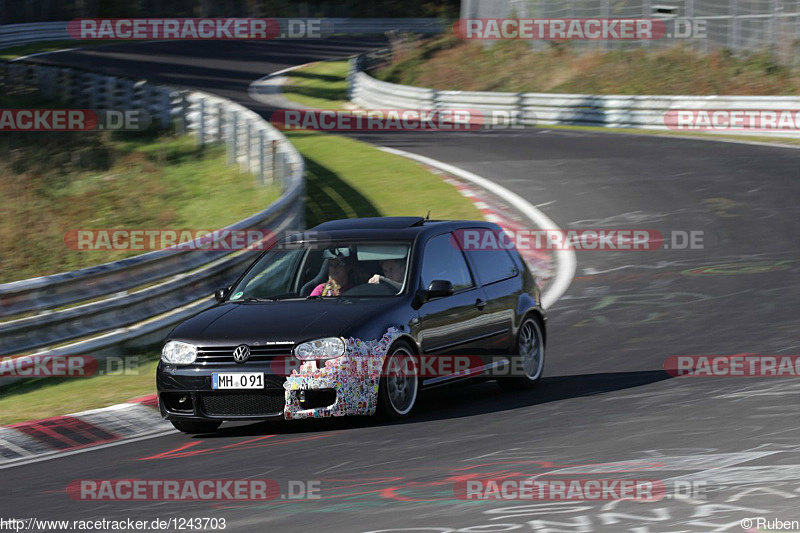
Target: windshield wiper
x=254 y=299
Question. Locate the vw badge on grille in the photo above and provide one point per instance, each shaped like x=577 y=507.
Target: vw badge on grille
x=241 y=353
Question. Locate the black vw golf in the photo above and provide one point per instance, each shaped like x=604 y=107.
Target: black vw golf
x=353 y=317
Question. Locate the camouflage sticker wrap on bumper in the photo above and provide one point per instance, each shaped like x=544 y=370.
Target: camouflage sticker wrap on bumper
x=354 y=377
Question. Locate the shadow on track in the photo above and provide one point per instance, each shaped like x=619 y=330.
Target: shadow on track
x=459 y=401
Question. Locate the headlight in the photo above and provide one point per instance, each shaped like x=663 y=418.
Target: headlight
x=326 y=348
x=179 y=353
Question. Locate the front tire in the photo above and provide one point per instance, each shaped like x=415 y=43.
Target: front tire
x=529 y=357
x=399 y=385
x=191 y=427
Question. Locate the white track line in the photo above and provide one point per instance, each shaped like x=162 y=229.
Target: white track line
x=565 y=259
x=58 y=455
x=20 y=58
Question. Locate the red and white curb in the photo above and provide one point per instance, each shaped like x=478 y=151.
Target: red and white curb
x=25 y=441
x=139 y=419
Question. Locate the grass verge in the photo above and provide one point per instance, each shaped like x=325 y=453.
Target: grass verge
x=52 y=182
x=321 y=85
x=446 y=62
x=345 y=178
x=348 y=178
x=41 y=398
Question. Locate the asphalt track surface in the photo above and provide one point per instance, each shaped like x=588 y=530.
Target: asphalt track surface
x=605 y=400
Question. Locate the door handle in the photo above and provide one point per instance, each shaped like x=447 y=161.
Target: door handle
x=480 y=304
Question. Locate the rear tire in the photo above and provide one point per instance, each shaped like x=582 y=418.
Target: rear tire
x=399 y=385
x=191 y=427
x=529 y=357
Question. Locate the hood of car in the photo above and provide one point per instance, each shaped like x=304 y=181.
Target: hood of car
x=255 y=323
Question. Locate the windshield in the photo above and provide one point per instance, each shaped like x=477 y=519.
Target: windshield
x=340 y=269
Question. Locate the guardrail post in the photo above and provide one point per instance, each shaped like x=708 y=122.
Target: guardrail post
x=94 y=91
x=285 y=171
x=274 y=156
x=733 y=31
x=117 y=92
x=40 y=79
x=233 y=141
x=181 y=110
x=139 y=99
x=262 y=167
x=201 y=124
x=164 y=107
x=248 y=139
x=68 y=86
x=776 y=7
x=220 y=121
x=647 y=12
x=605 y=12
x=351 y=76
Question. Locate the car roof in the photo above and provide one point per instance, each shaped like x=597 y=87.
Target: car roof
x=371 y=223
x=400 y=228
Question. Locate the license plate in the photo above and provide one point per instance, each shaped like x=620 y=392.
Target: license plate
x=237 y=380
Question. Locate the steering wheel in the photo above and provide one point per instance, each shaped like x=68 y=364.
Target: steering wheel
x=372 y=289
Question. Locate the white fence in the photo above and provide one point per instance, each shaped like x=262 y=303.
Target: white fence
x=737 y=25
x=528 y=109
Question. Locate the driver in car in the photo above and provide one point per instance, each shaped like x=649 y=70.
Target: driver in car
x=340 y=271
x=394 y=271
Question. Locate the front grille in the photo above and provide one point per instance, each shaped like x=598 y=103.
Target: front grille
x=243 y=404
x=223 y=355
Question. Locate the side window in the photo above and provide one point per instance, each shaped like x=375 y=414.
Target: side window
x=442 y=260
x=492 y=265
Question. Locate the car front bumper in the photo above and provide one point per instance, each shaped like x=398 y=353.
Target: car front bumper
x=344 y=386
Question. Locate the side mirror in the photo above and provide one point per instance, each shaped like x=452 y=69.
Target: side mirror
x=439 y=288
x=220 y=294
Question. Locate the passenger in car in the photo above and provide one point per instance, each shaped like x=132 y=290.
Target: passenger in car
x=340 y=273
x=394 y=271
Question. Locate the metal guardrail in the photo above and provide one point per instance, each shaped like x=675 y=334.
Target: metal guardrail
x=19 y=34
x=528 y=109
x=106 y=299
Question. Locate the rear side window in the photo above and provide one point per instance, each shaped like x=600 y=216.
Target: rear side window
x=442 y=260
x=493 y=265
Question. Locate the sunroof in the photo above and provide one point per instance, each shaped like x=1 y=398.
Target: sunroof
x=371 y=223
